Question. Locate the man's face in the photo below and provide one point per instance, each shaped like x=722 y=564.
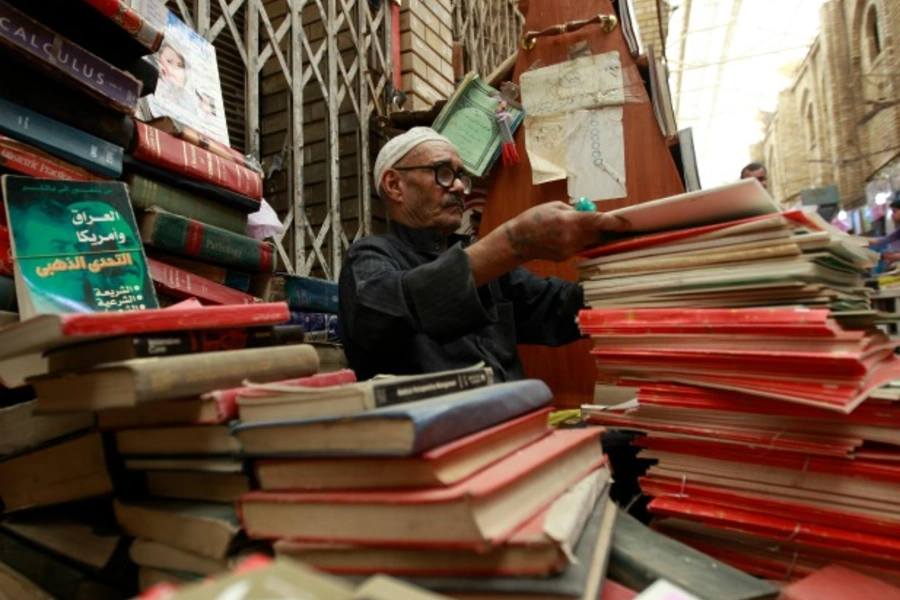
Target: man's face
x=759 y=174
x=425 y=204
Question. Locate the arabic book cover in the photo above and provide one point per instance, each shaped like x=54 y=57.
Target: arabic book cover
x=75 y=247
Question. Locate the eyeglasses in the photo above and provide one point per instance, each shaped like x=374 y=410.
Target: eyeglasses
x=444 y=175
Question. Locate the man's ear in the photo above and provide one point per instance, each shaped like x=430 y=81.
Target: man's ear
x=392 y=185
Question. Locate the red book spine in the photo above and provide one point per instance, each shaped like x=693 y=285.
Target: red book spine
x=169 y=152
x=6 y=261
x=182 y=284
x=28 y=160
x=131 y=21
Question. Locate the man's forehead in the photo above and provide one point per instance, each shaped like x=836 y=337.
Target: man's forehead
x=437 y=150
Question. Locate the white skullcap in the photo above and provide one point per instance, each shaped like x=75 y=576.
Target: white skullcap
x=400 y=146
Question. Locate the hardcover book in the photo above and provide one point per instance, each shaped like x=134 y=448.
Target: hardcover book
x=68 y=143
x=163 y=150
x=171 y=343
x=310 y=294
x=238 y=280
x=71 y=64
x=131 y=382
x=69 y=470
x=469 y=120
x=582 y=579
x=207 y=189
x=640 y=556
x=147 y=193
x=465 y=515
x=541 y=547
x=441 y=466
x=76 y=247
x=204 y=528
x=403 y=429
x=47 y=332
x=191 y=238
x=179 y=283
x=19 y=157
x=191 y=135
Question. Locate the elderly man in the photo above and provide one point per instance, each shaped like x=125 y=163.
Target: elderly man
x=418 y=299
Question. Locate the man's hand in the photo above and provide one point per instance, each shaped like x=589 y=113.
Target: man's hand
x=552 y=231
x=555 y=231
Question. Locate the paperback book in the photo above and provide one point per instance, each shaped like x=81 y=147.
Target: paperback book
x=76 y=247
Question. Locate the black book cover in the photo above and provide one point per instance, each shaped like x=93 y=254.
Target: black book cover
x=31 y=88
x=641 y=555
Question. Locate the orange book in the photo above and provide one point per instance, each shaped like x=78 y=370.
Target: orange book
x=542 y=546
x=479 y=512
x=441 y=466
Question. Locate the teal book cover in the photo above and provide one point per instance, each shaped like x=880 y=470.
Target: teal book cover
x=469 y=120
x=76 y=247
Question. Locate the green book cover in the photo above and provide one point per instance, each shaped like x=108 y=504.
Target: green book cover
x=76 y=247
x=469 y=120
x=148 y=193
x=194 y=239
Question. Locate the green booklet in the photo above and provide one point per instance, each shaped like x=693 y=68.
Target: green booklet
x=469 y=120
x=75 y=246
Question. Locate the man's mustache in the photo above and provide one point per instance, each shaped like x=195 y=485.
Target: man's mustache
x=454 y=200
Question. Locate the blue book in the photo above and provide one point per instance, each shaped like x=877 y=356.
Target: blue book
x=319 y=326
x=398 y=430
x=310 y=294
x=61 y=140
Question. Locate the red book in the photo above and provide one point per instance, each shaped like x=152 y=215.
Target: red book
x=474 y=513
x=28 y=160
x=6 y=259
x=45 y=332
x=761 y=502
x=183 y=284
x=192 y=136
x=163 y=150
x=131 y=21
x=709 y=317
x=839 y=583
x=231 y=395
x=442 y=466
x=794 y=529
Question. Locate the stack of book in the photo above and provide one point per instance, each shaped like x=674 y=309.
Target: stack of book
x=193 y=194
x=165 y=358
x=727 y=247
x=761 y=384
x=430 y=476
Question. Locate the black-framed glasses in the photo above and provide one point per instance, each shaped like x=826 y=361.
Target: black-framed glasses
x=444 y=175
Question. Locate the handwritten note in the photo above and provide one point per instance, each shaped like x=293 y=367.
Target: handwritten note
x=595 y=153
x=545 y=142
x=573 y=126
x=585 y=82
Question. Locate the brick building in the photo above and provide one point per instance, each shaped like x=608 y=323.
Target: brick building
x=839 y=121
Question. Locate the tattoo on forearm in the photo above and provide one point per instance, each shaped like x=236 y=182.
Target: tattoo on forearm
x=516 y=242
x=528 y=245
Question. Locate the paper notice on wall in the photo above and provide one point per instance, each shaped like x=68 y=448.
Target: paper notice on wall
x=581 y=83
x=595 y=153
x=545 y=142
x=573 y=125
